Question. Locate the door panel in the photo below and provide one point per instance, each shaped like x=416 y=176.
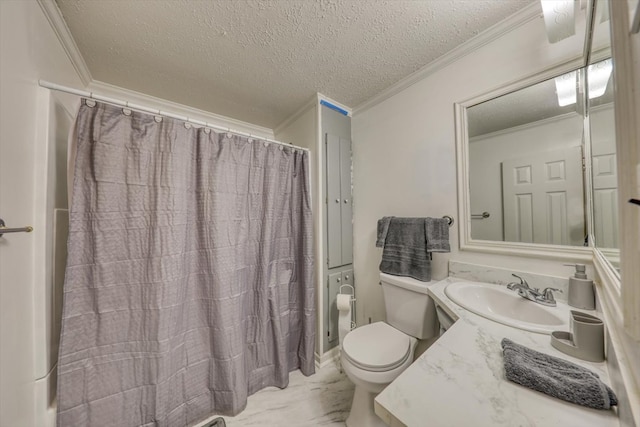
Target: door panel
x=334 y=202
x=524 y=219
x=345 y=192
x=605 y=200
x=543 y=198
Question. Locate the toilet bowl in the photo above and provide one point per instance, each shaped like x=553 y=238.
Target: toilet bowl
x=374 y=355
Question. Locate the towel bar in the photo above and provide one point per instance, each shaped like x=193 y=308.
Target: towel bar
x=449 y=220
x=3 y=229
x=483 y=215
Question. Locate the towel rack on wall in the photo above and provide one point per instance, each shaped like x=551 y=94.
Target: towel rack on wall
x=4 y=229
x=449 y=220
x=483 y=215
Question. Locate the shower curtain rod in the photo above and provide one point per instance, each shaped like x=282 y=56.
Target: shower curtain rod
x=127 y=104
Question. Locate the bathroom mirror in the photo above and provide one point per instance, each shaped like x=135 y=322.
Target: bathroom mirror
x=525 y=151
x=541 y=163
x=604 y=179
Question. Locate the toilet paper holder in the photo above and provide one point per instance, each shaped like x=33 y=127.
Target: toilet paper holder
x=352 y=293
x=342 y=305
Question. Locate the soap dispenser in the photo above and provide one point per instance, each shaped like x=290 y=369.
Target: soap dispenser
x=581 y=290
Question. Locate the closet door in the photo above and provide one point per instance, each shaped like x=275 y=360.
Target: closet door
x=339 y=206
x=346 y=212
x=334 y=202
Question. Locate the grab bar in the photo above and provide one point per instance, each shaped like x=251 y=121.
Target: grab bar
x=4 y=229
x=483 y=215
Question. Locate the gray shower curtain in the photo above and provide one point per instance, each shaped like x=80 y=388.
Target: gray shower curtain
x=189 y=277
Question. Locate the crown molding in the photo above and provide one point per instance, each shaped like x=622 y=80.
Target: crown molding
x=181 y=109
x=523 y=127
x=503 y=27
x=59 y=26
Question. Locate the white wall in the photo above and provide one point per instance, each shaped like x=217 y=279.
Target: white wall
x=404 y=153
x=487 y=152
x=29 y=51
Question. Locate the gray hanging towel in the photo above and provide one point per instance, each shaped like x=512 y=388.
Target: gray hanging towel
x=555 y=377
x=437 y=234
x=383 y=229
x=406 y=248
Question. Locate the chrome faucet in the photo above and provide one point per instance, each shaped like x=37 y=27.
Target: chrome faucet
x=533 y=294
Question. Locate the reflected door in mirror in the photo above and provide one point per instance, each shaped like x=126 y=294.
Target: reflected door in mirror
x=543 y=198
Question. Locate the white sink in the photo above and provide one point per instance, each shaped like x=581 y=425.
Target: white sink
x=501 y=305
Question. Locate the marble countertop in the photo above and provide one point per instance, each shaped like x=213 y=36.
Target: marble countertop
x=460 y=381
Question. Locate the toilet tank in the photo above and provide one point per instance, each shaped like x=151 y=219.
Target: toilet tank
x=408 y=307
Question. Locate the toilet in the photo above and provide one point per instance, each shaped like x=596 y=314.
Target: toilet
x=373 y=355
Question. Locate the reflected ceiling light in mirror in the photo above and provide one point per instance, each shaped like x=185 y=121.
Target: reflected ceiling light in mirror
x=566 y=88
x=599 y=75
x=559 y=19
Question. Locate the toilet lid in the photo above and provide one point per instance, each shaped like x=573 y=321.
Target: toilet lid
x=376 y=347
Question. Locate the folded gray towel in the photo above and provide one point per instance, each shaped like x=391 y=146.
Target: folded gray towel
x=383 y=229
x=437 y=234
x=405 y=249
x=555 y=377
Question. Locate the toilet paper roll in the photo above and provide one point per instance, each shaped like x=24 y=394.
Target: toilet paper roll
x=344 y=302
x=344 y=316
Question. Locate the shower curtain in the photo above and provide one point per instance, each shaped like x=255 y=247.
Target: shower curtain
x=189 y=277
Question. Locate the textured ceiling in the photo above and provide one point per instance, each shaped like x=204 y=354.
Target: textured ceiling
x=259 y=61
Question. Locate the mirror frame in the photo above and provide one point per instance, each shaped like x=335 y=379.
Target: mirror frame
x=536 y=250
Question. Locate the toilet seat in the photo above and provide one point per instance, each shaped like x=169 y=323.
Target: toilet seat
x=376 y=347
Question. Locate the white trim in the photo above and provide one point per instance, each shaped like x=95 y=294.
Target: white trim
x=59 y=26
x=320 y=218
x=45 y=410
x=529 y=13
x=530 y=250
x=181 y=109
x=587 y=169
x=513 y=85
x=608 y=289
x=523 y=127
x=331 y=356
x=627 y=82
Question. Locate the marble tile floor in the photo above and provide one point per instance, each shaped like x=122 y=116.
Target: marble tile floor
x=323 y=399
